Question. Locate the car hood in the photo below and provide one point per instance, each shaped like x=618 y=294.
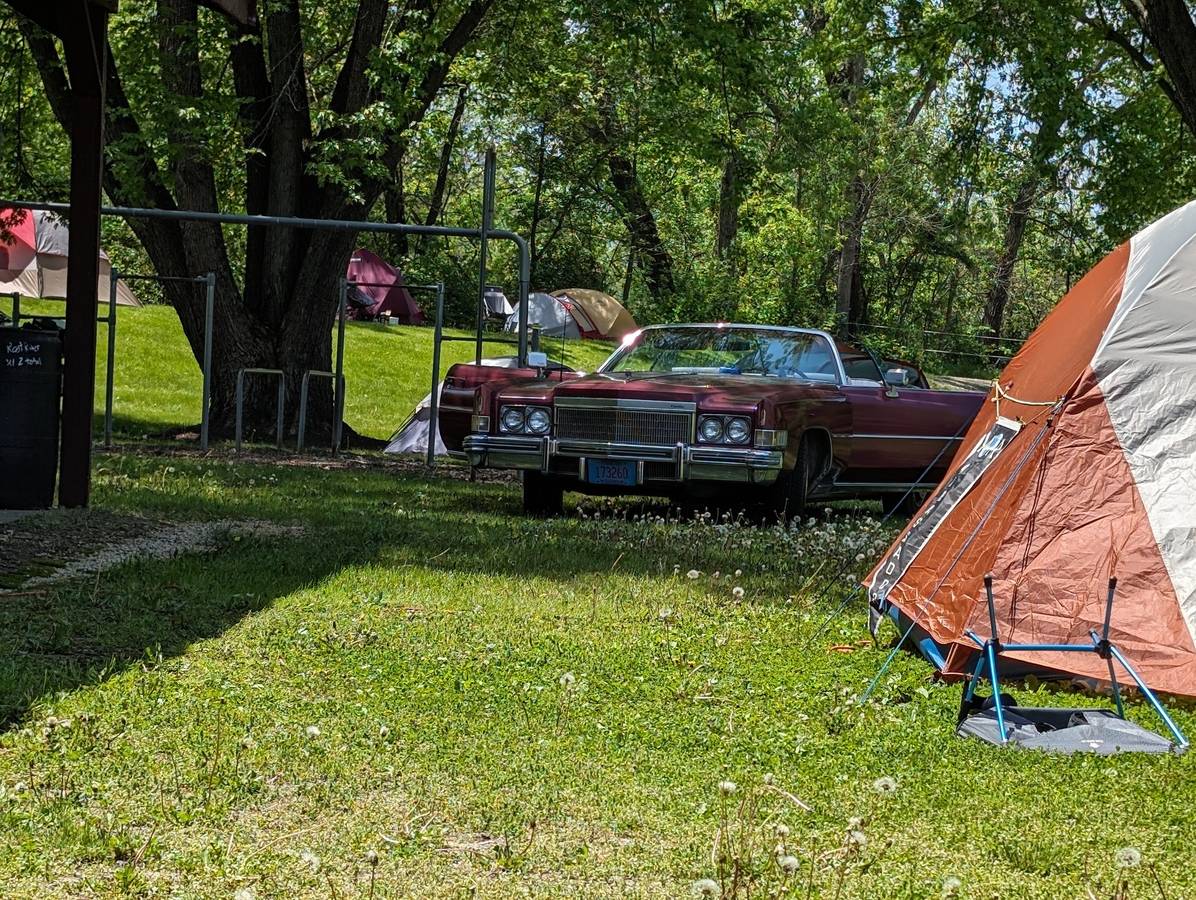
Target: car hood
x=705 y=390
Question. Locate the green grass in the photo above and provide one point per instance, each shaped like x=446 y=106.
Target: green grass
x=388 y=370
x=513 y=707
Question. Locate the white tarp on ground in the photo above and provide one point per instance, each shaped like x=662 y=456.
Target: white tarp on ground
x=412 y=436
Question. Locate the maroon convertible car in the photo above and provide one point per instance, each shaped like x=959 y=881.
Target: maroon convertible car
x=711 y=412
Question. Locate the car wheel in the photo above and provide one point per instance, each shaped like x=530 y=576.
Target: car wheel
x=901 y=504
x=542 y=495
x=793 y=488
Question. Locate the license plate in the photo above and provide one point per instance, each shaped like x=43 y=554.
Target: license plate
x=612 y=471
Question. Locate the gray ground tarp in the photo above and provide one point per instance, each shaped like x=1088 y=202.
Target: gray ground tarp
x=1098 y=731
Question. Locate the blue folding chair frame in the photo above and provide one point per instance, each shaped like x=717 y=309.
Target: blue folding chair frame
x=987 y=665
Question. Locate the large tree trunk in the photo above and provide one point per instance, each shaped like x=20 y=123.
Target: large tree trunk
x=730 y=197
x=1015 y=231
x=283 y=317
x=1168 y=26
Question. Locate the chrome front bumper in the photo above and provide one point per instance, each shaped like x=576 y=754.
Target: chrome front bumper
x=680 y=463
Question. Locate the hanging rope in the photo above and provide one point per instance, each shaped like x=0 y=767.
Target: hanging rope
x=1000 y=392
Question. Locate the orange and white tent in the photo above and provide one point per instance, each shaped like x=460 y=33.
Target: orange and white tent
x=1082 y=466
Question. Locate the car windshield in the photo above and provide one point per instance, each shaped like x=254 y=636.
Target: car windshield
x=727 y=351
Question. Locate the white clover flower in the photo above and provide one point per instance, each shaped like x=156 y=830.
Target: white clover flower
x=885 y=785
x=693 y=574
x=739 y=573
x=568 y=680
x=716 y=575
x=312 y=731
x=706 y=888
x=727 y=788
x=951 y=886
x=737 y=592
x=1128 y=857
x=310 y=860
x=789 y=864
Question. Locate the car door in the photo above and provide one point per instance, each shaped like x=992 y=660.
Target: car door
x=899 y=433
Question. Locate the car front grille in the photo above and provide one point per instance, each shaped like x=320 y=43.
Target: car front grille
x=640 y=422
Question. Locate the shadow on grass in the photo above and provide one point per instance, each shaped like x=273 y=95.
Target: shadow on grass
x=88 y=630
x=72 y=634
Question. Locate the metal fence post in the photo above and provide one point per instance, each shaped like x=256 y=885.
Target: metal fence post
x=110 y=373
x=484 y=249
x=434 y=408
x=338 y=404
x=16 y=308
x=209 y=312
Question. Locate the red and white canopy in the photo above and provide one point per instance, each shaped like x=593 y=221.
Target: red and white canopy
x=33 y=258
x=1083 y=468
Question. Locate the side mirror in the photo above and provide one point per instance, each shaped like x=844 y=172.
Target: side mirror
x=897 y=377
x=537 y=360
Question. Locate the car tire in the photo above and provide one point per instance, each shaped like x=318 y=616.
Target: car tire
x=793 y=487
x=904 y=505
x=542 y=495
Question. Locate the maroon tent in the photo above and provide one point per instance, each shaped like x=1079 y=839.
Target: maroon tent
x=376 y=290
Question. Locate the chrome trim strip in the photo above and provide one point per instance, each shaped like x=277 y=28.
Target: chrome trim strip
x=888 y=485
x=904 y=437
x=667 y=406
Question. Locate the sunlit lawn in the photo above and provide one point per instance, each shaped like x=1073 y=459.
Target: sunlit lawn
x=388 y=370
x=426 y=695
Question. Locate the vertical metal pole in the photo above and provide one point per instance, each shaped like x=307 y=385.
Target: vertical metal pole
x=240 y=406
x=992 y=609
x=991 y=653
x=16 y=308
x=525 y=278
x=338 y=411
x=282 y=399
x=487 y=224
x=208 y=316
x=434 y=409
x=110 y=373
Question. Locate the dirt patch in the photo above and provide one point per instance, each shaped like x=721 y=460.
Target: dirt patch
x=55 y=546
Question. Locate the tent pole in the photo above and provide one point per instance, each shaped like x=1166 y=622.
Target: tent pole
x=434 y=409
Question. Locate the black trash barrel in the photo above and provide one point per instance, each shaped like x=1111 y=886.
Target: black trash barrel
x=30 y=386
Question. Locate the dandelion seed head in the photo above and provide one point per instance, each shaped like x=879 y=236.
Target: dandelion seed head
x=1128 y=857
x=885 y=785
x=568 y=680
x=857 y=839
x=789 y=864
x=727 y=788
x=693 y=574
x=312 y=731
x=310 y=860
x=705 y=887
x=737 y=592
x=782 y=830
x=951 y=886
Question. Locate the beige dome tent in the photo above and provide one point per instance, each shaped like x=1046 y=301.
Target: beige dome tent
x=597 y=314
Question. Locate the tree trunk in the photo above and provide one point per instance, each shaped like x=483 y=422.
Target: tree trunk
x=729 y=199
x=850 y=309
x=1168 y=26
x=284 y=316
x=1015 y=231
x=395 y=198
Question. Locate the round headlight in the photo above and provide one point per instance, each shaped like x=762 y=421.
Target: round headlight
x=711 y=429
x=539 y=421
x=738 y=430
x=512 y=418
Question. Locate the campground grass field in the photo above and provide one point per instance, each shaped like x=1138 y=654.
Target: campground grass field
x=383 y=682
x=387 y=369
x=418 y=692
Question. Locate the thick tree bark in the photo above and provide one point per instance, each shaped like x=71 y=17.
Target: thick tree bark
x=1015 y=231
x=395 y=198
x=1168 y=26
x=647 y=247
x=730 y=198
x=284 y=316
x=436 y=200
